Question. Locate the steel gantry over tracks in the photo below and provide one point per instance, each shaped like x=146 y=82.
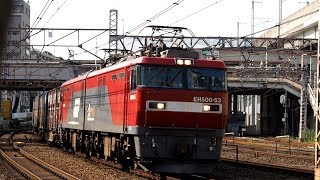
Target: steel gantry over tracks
x=42 y=70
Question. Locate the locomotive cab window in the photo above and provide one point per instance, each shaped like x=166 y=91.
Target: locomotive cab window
x=203 y=78
x=121 y=75
x=133 y=79
x=114 y=77
x=162 y=77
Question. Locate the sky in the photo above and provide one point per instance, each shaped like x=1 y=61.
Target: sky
x=218 y=17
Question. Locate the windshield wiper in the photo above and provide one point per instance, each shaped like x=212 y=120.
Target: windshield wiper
x=155 y=75
x=175 y=77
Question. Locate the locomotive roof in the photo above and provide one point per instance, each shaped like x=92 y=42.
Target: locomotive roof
x=147 y=60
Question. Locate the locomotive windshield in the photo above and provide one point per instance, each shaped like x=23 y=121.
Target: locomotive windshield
x=161 y=77
x=182 y=77
x=200 y=78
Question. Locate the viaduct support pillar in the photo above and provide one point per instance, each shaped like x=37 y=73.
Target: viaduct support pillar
x=235 y=107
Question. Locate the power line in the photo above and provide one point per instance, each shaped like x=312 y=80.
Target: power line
x=222 y=41
x=196 y=12
x=142 y=24
x=36 y=22
x=155 y=16
x=286 y=22
x=38 y=17
x=59 y=7
x=43 y=12
x=51 y=18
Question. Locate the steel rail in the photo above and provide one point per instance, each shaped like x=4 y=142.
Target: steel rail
x=288 y=169
x=28 y=174
x=45 y=165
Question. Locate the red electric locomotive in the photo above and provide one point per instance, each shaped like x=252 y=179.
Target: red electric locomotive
x=168 y=107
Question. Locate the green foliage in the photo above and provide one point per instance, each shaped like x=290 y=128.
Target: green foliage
x=310 y=135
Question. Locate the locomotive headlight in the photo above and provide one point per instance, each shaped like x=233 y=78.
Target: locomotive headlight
x=187 y=62
x=161 y=105
x=214 y=108
x=156 y=105
x=206 y=108
x=180 y=61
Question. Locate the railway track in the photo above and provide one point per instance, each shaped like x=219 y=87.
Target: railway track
x=232 y=169
x=27 y=165
x=268 y=148
x=279 y=149
x=138 y=172
x=261 y=152
x=225 y=169
x=286 y=171
x=281 y=141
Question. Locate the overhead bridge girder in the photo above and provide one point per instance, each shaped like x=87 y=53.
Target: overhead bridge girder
x=133 y=43
x=265 y=83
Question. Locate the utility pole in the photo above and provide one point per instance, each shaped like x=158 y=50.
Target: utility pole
x=280 y=17
x=238 y=35
x=238 y=32
x=252 y=17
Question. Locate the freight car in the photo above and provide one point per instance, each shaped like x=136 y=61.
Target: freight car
x=144 y=111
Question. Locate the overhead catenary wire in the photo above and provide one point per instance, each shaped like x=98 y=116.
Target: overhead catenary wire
x=154 y=17
x=210 y=6
x=198 y=11
x=42 y=13
x=39 y=16
x=141 y=24
x=283 y=23
x=59 y=7
x=35 y=23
